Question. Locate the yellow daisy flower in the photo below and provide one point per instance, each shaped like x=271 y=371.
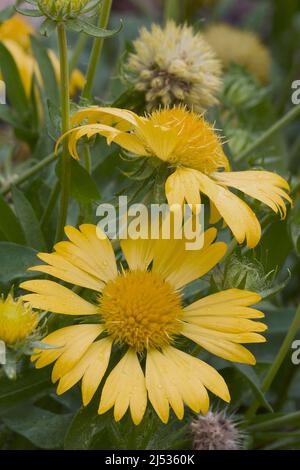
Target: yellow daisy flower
x=17 y=321
x=18 y=30
x=173 y=65
x=140 y=309
x=193 y=151
x=233 y=45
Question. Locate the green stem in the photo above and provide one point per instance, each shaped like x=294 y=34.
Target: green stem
x=27 y=174
x=65 y=119
x=290 y=418
x=272 y=372
x=96 y=50
x=172 y=10
x=280 y=124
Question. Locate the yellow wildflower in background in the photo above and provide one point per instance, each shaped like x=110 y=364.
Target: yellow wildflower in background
x=141 y=310
x=18 y=30
x=193 y=151
x=174 y=65
x=28 y=67
x=17 y=320
x=233 y=45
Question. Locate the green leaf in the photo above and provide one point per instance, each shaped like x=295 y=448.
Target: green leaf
x=47 y=27
x=51 y=87
x=29 y=387
x=270 y=256
x=41 y=427
x=80 y=25
x=85 y=425
x=250 y=375
x=28 y=220
x=9 y=224
x=14 y=85
x=83 y=186
x=29 y=12
x=15 y=260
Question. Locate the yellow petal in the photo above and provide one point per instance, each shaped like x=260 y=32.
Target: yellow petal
x=91 y=368
x=96 y=249
x=201 y=372
x=74 y=351
x=161 y=140
x=236 y=213
x=222 y=345
x=66 y=271
x=262 y=185
x=125 y=387
x=161 y=382
x=138 y=253
x=60 y=340
x=53 y=297
x=183 y=185
x=179 y=266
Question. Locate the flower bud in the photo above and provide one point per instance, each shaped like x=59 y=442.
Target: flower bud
x=61 y=9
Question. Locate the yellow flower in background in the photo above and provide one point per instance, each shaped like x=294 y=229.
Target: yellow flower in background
x=195 y=156
x=17 y=320
x=28 y=68
x=174 y=65
x=233 y=45
x=140 y=309
x=18 y=30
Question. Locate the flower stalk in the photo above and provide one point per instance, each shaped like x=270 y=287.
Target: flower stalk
x=96 y=50
x=65 y=124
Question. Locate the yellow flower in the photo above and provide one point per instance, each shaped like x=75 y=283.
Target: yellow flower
x=194 y=154
x=28 y=68
x=18 y=30
x=233 y=45
x=141 y=310
x=174 y=65
x=17 y=321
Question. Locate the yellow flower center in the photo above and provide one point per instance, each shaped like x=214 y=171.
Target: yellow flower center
x=16 y=320
x=186 y=139
x=141 y=310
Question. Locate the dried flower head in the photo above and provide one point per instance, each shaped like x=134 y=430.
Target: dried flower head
x=245 y=48
x=215 y=431
x=174 y=65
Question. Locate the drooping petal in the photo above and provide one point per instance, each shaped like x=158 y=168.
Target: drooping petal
x=237 y=214
x=53 y=297
x=119 y=118
x=90 y=368
x=125 y=387
x=265 y=186
x=182 y=185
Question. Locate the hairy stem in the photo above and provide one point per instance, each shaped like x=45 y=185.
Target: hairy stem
x=65 y=120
